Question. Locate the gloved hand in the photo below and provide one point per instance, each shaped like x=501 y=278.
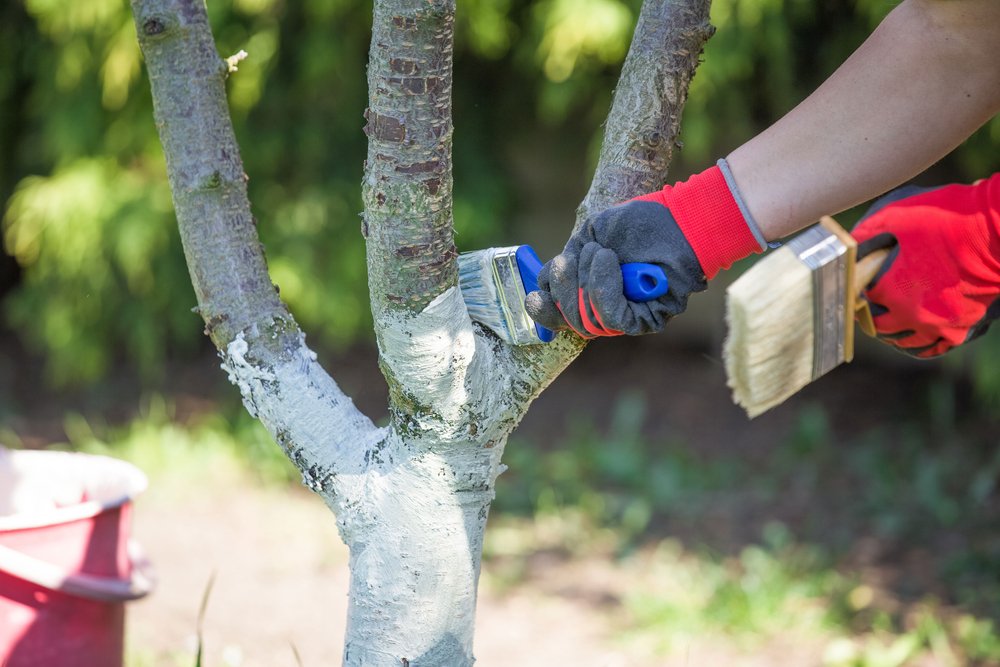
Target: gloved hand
x=940 y=285
x=691 y=229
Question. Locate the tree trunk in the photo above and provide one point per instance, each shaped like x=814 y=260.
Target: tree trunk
x=411 y=499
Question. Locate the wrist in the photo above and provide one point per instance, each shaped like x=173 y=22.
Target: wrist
x=709 y=211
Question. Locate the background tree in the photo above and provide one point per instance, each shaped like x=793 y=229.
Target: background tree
x=411 y=499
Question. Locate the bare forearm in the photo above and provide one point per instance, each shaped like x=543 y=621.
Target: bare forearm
x=926 y=79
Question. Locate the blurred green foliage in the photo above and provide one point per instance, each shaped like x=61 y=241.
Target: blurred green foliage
x=924 y=477
x=226 y=445
x=87 y=214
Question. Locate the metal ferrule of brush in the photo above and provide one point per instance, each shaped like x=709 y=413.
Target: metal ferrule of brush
x=510 y=296
x=828 y=260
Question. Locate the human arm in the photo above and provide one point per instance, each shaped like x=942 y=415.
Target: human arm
x=924 y=80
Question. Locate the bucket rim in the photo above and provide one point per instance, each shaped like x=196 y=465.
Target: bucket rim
x=137 y=482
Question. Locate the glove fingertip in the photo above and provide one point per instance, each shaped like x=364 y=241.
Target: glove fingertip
x=543 y=279
x=561 y=268
x=586 y=259
x=606 y=275
x=541 y=307
x=606 y=257
x=607 y=291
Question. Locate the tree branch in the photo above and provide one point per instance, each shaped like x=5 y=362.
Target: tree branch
x=408 y=180
x=263 y=348
x=412 y=268
x=644 y=122
x=639 y=135
x=204 y=168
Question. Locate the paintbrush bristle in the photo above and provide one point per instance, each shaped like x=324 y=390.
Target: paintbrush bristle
x=479 y=291
x=769 y=350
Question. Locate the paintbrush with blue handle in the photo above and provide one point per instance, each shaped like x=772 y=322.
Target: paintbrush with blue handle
x=495 y=281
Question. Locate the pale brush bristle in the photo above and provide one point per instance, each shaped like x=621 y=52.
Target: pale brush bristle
x=769 y=349
x=475 y=278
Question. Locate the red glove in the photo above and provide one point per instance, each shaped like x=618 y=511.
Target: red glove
x=940 y=285
x=708 y=210
x=692 y=230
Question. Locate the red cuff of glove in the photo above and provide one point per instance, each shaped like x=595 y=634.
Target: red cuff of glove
x=710 y=219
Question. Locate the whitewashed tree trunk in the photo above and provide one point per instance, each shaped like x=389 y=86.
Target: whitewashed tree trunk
x=411 y=499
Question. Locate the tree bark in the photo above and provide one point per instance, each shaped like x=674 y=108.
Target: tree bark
x=411 y=499
x=408 y=181
x=644 y=124
x=641 y=131
x=263 y=348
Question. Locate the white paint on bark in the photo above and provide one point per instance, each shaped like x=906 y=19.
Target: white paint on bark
x=418 y=529
x=304 y=409
x=430 y=353
x=440 y=362
x=415 y=567
x=412 y=508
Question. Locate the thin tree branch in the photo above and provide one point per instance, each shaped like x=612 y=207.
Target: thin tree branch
x=408 y=179
x=640 y=133
x=263 y=348
x=644 y=122
x=206 y=174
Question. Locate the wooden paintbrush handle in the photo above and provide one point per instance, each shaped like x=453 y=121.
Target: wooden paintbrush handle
x=864 y=271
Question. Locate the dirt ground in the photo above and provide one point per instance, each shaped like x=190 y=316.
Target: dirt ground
x=280 y=581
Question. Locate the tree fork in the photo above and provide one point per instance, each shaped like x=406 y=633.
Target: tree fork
x=412 y=499
x=263 y=348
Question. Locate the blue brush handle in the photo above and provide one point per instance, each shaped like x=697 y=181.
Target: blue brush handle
x=529 y=265
x=643 y=282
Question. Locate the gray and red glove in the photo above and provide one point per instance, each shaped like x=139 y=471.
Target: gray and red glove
x=940 y=285
x=692 y=230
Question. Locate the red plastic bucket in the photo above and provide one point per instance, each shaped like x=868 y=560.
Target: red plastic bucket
x=67 y=565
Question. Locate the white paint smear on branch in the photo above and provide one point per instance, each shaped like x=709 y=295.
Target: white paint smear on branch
x=303 y=408
x=430 y=353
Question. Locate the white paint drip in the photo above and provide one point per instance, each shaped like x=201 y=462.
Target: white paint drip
x=249 y=379
x=233 y=61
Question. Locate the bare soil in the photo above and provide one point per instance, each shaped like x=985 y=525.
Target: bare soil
x=280 y=581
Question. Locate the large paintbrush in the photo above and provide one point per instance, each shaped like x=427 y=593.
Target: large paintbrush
x=791 y=316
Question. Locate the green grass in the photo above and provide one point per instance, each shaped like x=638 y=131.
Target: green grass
x=617 y=478
x=208 y=448
x=920 y=487
x=764 y=591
